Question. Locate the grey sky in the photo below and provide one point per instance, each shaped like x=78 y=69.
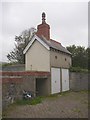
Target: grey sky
x=68 y=22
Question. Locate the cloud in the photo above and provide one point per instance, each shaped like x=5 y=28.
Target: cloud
x=68 y=21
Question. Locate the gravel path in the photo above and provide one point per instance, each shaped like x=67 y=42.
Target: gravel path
x=69 y=105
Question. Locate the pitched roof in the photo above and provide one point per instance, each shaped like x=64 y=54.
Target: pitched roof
x=55 y=45
x=47 y=43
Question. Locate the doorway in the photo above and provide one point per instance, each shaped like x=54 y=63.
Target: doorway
x=41 y=86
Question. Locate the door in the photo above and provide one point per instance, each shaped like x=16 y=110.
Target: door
x=55 y=80
x=65 y=79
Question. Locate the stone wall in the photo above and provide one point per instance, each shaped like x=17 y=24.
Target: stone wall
x=13 y=84
x=79 y=81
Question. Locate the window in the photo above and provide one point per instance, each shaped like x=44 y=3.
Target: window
x=55 y=57
x=65 y=59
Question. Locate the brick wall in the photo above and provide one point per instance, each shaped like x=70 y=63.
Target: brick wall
x=13 y=84
x=44 y=29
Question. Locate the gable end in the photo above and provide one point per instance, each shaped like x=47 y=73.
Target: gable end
x=31 y=42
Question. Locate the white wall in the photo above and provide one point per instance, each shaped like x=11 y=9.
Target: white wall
x=37 y=58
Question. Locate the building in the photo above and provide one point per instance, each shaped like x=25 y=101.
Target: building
x=47 y=55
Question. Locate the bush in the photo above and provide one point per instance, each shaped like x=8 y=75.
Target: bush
x=8 y=64
x=78 y=69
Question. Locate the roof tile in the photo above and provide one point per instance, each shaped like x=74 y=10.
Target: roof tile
x=55 y=45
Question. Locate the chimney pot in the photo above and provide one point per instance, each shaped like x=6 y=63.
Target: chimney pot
x=44 y=28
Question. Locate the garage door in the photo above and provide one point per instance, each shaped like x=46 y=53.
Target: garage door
x=65 y=79
x=55 y=80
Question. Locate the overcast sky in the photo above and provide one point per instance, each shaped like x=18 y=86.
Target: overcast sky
x=68 y=22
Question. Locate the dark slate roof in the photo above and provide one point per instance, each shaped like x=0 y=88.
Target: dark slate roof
x=55 y=45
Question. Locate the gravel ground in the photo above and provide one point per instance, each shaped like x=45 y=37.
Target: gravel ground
x=68 y=105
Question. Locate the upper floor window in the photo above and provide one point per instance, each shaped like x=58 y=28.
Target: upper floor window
x=55 y=57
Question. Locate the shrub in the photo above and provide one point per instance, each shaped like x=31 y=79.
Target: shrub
x=78 y=69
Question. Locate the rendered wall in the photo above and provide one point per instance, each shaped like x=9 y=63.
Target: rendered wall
x=37 y=58
x=60 y=59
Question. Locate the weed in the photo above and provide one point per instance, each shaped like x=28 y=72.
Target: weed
x=22 y=102
x=77 y=110
x=34 y=101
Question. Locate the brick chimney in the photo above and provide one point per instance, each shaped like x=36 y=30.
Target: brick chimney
x=43 y=29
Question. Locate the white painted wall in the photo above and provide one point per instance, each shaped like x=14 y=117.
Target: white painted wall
x=55 y=80
x=37 y=58
x=65 y=79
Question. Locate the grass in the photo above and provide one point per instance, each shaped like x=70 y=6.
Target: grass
x=34 y=101
x=77 y=110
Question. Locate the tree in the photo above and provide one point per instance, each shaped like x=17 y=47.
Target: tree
x=20 y=43
x=88 y=52
x=79 y=56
